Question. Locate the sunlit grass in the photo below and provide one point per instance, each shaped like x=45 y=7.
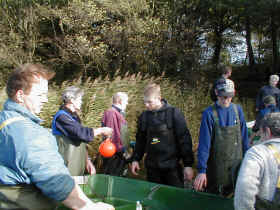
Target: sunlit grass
x=98 y=94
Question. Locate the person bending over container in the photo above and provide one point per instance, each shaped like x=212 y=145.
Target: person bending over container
x=223 y=140
x=72 y=137
x=269 y=107
x=258 y=183
x=162 y=134
x=32 y=172
x=114 y=117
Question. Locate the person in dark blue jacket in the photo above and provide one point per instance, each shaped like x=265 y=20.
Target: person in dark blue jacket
x=223 y=140
x=266 y=90
x=72 y=136
x=270 y=107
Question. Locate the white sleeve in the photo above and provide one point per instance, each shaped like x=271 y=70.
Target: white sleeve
x=248 y=181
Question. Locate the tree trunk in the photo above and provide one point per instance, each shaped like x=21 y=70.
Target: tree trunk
x=274 y=44
x=249 y=44
x=218 y=46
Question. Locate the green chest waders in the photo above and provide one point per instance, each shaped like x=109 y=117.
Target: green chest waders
x=23 y=196
x=225 y=154
x=74 y=155
x=262 y=204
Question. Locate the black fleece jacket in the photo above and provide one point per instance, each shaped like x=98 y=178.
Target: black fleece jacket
x=182 y=136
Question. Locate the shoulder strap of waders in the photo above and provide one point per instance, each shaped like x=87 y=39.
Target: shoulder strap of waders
x=276 y=155
x=169 y=117
x=9 y=121
x=215 y=114
x=236 y=113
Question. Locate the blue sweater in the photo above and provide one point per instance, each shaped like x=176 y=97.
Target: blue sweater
x=226 y=118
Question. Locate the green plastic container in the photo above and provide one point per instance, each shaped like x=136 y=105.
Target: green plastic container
x=123 y=193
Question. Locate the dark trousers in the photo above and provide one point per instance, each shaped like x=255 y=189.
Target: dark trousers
x=173 y=177
x=115 y=165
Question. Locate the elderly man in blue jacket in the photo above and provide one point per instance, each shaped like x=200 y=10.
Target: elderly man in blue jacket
x=32 y=172
x=266 y=90
x=223 y=140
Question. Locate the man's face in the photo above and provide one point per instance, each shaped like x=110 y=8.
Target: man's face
x=124 y=103
x=152 y=102
x=273 y=83
x=224 y=101
x=37 y=96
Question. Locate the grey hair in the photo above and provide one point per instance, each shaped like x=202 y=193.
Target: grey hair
x=119 y=95
x=272 y=121
x=71 y=93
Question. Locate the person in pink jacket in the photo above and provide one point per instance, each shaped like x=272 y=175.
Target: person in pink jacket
x=114 y=118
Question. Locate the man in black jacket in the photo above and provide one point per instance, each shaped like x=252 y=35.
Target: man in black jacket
x=163 y=134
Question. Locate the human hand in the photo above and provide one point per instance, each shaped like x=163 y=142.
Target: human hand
x=200 y=182
x=135 y=167
x=106 y=131
x=188 y=173
x=90 y=167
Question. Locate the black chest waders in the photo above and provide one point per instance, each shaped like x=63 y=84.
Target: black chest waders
x=262 y=204
x=74 y=155
x=161 y=146
x=225 y=155
x=23 y=197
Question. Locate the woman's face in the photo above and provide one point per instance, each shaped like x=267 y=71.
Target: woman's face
x=77 y=102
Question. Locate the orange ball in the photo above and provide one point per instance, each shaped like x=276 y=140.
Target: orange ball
x=107 y=148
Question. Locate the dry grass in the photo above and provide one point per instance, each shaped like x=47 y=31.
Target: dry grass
x=98 y=94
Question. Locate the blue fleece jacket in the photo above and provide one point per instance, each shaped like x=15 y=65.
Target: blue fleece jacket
x=226 y=118
x=68 y=124
x=29 y=154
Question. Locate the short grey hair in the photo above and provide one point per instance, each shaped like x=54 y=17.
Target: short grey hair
x=273 y=78
x=71 y=93
x=272 y=121
x=119 y=95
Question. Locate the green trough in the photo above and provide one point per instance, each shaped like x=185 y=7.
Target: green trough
x=123 y=193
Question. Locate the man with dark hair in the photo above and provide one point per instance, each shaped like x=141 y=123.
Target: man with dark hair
x=32 y=172
x=258 y=183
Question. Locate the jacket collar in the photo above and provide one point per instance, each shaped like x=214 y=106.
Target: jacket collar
x=10 y=105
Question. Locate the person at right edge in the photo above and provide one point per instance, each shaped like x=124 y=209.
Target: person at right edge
x=163 y=134
x=258 y=182
x=223 y=140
